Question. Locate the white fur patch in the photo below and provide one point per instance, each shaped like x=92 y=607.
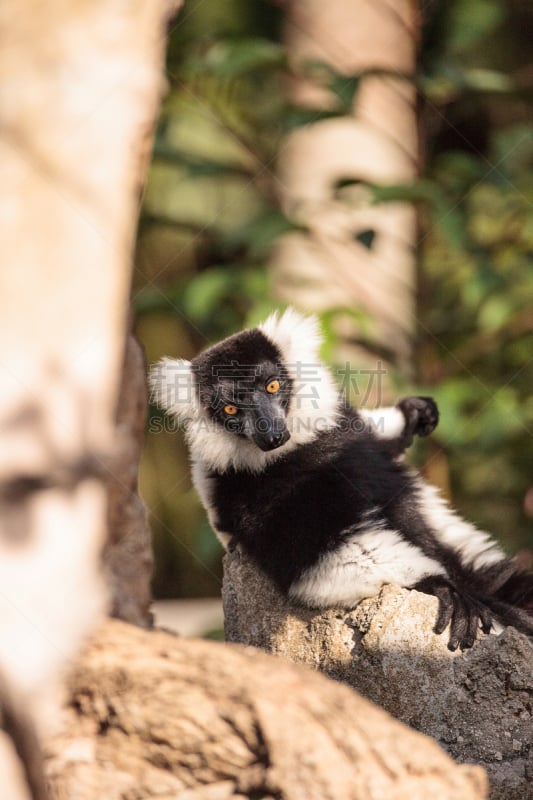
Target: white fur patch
x=221 y=450
x=173 y=387
x=476 y=548
x=314 y=406
x=387 y=422
x=297 y=336
x=360 y=567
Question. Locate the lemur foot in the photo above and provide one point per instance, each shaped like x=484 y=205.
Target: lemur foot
x=464 y=613
x=421 y=415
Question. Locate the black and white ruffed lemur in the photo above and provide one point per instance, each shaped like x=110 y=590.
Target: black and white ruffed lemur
x=315 y=492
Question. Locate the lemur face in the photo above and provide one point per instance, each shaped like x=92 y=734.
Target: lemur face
x=245 y=389
x=248 y=400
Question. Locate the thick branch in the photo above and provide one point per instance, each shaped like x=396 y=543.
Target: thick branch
x=155 y=715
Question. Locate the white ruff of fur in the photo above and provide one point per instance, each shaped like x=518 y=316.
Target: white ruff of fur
x=476 y=548
x=220 y=450
x=173 y=388
x=360 y=567
x=314 y=406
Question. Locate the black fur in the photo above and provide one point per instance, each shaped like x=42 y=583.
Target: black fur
x=306 y=503
x=311 y=499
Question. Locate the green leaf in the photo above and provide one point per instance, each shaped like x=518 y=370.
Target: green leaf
x=495 y=312
x=458 y=400
x=345 y=89
x=450 y=221
x=478 y=285
x=419 y=191
x=260 y=233
x=196 y=167
x=360 y=319
x=234 y=57
x=456 y=170
x=254 y=281
x=150 y=299
x=487 y=80
x=205 y=292
x=513 y=149
x=146 y=300
x=473 y=20
x=449 y=79
x=296 y=116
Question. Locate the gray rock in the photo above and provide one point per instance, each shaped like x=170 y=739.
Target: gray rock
x=477 y=705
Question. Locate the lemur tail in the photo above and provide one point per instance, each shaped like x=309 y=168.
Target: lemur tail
x=512 y=601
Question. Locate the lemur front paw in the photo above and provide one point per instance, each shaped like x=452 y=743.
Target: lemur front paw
x=463 y=612
x=421 y=414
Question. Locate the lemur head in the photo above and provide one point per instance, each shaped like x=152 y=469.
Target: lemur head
x=254 y=396
x=245 y=389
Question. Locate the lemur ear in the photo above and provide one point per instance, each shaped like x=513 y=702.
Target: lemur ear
x=297 y=336
x=173 y=387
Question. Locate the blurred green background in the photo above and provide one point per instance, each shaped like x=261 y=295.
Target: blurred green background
x=210 y=218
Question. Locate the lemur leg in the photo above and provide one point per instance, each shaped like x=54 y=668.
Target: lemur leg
x=396 y=426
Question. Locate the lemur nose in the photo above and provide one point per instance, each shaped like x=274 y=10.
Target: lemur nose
x=271 y=439
x=277 y=438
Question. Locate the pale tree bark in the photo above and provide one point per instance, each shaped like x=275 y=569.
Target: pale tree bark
x=80 y=89
x=153 y=715
x=328 y=267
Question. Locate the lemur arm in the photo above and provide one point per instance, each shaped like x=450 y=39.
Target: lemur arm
x=397 y=425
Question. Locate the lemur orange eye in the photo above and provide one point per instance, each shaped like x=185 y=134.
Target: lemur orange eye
x=273 y=387
x=231 y=410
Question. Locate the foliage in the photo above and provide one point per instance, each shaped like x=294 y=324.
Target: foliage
x=211 y=218
x=476 y=318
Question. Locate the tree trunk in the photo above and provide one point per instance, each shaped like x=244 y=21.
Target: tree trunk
x=81 y=86
x=356 y=255
x=128 y=551
x=477 y=705
x=153 y=715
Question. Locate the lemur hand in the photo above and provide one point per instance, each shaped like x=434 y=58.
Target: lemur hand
x=421 y=415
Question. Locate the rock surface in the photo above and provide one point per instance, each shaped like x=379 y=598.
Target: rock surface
x=478 y=705
x=153 y=715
